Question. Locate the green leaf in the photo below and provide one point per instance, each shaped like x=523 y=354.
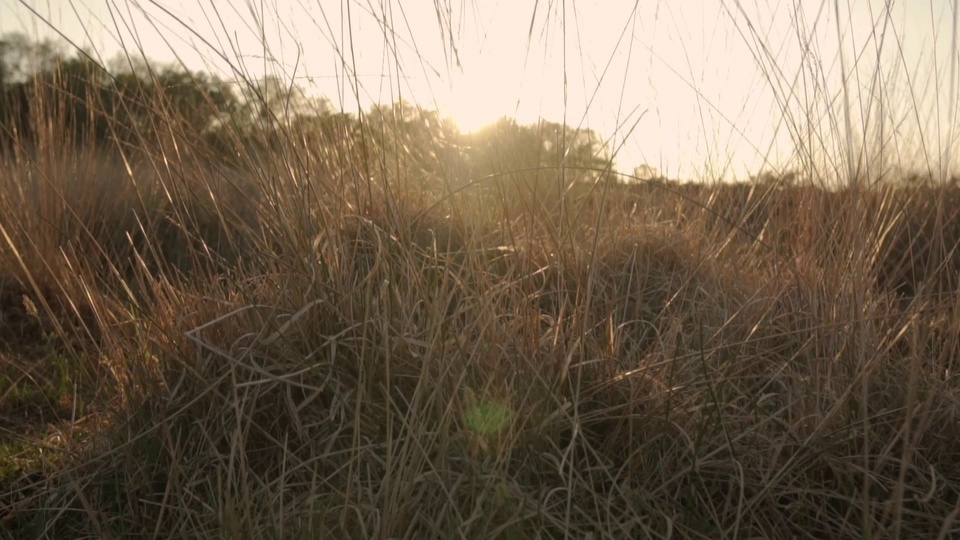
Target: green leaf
x=487 y=418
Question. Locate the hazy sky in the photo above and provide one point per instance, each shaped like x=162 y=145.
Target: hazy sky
x=693 y=88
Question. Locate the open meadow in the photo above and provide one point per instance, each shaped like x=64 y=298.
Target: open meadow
x=220 y=319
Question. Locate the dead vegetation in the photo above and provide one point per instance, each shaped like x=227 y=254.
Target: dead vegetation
x=281 y=347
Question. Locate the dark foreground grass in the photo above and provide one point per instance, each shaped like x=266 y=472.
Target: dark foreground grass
x=635 y=379
x=278 y=349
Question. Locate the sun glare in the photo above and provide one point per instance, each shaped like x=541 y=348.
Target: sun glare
x=472 y=109
x=478 y=98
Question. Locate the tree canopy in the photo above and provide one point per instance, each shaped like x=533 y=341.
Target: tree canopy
x=402 y=143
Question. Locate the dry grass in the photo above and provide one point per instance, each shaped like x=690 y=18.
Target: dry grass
x=277 y=349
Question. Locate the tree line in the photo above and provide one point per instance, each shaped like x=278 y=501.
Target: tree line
x=84 y=102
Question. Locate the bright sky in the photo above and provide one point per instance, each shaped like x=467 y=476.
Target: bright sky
x=696 y=89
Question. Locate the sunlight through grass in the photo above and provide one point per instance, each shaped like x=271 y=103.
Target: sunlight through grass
x=231 y=307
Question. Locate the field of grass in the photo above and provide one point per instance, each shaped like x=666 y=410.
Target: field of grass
x=281 y=346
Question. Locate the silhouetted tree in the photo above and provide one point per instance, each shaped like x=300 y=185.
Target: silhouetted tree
x=536 y=164
x=409 y=146
x=21 y=58
x=20 y=61
x=273 y=103
x=77 y=100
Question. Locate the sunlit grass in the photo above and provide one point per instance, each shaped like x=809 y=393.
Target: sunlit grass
x=339 y=331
